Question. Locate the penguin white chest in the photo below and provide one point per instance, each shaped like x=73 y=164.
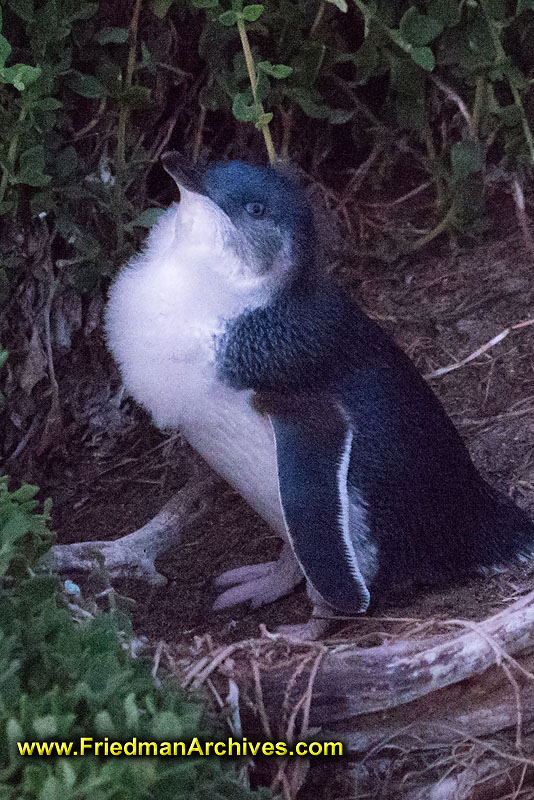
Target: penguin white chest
x=164 y=312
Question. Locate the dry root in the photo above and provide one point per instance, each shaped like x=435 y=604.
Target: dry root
x=447 y=716
x=134 y=556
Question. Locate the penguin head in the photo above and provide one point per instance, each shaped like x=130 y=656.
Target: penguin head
x=257 y=219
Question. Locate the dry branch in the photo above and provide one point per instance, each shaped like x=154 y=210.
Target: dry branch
x=480 y=350
x=429 y=692
x=445 y=717
x=134 y=556
x=354 y=681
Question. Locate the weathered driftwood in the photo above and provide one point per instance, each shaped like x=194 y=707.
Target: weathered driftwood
x=415 y=702
x=484 y=779
x=134 y=556
x=353 y=681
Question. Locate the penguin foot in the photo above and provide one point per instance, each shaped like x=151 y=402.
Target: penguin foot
x=251 y=572
x=259 y=583
x=310 y=631
x=318 y=624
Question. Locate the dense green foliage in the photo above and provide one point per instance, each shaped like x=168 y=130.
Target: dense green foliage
x=86 y=86
x=64 y=678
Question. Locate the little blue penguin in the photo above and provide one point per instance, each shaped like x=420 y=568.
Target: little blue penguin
x=228 y=327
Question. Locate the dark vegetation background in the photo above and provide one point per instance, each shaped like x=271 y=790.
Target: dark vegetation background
x=410 y=121
x=411 y=125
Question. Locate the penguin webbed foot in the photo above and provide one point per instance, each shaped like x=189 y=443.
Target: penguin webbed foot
x=323 y=621
x=312 y=630
x=258 y=584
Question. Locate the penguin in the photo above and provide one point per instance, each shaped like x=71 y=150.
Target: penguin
x=228 y=327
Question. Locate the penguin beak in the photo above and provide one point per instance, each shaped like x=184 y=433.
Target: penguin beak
x=187 y=176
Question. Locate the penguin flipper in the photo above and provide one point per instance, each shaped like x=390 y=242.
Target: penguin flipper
x=313 y=445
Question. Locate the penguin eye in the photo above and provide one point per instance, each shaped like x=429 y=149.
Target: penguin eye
x=255 y=209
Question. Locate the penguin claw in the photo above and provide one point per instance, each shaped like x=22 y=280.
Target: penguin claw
x=243 y=574
x=309 y=631
x=258 y=583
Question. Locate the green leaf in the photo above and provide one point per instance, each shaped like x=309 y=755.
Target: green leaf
x=48 y=104
x=510 y=115
x=136 y=97
x=341 y=4
x=3 y=353
x=496 y=9
x=20 y=75
x=263 y=87
x=252 y=13
x=205 y=3
x=366 y=60
x=160 y=7
x=263 y=120
x=86 y=85
x=104 y=724
x=146 y=219
x=418 y=29
x=448 y=12
x=14 y=734
x=241 y=109
x=18 y=524
x=68 y=774
x=23 y=9
x=52 y=789
x=131 y=710
x=467 y=158
x=213 y=97
x=311 y=108
x=147 y=61
x=524 y=5
x=339 y=116
x=308 y=63
x=112 y=36
x=25 y=493
x=275 y=70
x=423 y=57
x=65 y=163
x=85 y=11
x=5 y=50
x=31 y=167
x=405 y=78
x=228 y=19
x=45 y=727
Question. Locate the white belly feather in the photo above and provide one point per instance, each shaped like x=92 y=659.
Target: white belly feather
x=164 y=310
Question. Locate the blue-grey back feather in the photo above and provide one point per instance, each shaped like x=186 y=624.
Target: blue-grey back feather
x=430 y=514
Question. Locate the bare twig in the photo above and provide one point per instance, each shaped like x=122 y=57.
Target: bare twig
x=521 y=214
x=480 y=350
x=133 y=556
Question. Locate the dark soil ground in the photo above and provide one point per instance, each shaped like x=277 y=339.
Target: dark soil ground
x=440 y=309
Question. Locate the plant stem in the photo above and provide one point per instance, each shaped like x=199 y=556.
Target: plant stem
x=11 y=156
x=440 y=228
x=286 y=133
x=434 y=166
x=199 y=133
x=317 y=20
x=480 y=93
x=501 y=58
x=519 y=199
x=124 y=113
x=253 y=83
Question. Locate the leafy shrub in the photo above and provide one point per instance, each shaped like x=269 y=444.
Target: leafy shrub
x=77 y=80
x=65 y=679
x=371 y=97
